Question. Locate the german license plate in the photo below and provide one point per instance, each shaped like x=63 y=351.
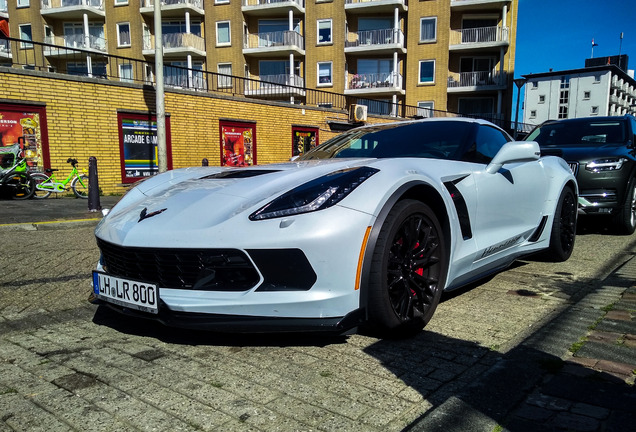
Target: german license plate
x=128 y=293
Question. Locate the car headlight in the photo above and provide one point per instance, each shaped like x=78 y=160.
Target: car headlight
x=609 y=164
x=317 y=194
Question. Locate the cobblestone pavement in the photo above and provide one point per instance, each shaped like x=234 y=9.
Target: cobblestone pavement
x=496 y=356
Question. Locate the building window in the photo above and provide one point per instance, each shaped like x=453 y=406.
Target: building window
x=597 y=78
x=594 y=110
x=425 y=109
x=126 y=72
x=122 y=2
x=221 y=1
x=428 y=29
x=325 y=73
x=533 y=114
x=587 y=94
x=535 y=84
x=223 y=33
x=25 y=34
x=123 y=35
x=541 y=98
x=23 y=3
x=225 y=71
x=427 y=71
x=324 y=31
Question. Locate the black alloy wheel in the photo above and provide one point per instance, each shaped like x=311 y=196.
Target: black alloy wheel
x=409 y=270
x=563 y=227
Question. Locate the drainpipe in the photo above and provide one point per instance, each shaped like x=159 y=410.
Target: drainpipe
x=291 y=56
x=87 y=45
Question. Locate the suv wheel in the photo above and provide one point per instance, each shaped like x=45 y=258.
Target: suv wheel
x=625 y=219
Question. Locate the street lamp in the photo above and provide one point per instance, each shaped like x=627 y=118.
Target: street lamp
x=519 y=82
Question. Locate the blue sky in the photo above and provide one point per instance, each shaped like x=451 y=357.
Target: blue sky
x=558 y=34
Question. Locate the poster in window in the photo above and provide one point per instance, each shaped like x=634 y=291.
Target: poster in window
x=26 y=129
x=238 y=144
x=138 y=145
x=303 y=140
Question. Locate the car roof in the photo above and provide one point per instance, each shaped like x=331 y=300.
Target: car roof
x=588 y=119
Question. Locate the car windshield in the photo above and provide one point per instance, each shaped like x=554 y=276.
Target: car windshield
x=427 y=139
x=576 y=133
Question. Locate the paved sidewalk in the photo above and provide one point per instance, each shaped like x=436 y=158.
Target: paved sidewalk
x=574 y=374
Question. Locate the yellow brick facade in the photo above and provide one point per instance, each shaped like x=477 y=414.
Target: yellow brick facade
x=82 y=121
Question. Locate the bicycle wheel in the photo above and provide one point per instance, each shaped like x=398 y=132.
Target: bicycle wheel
x=22 y=186
x=80 y=186
x=39 y=178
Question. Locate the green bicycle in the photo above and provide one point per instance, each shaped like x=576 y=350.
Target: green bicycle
x=45 y=184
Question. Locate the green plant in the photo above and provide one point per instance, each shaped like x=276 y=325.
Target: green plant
x=576 y=346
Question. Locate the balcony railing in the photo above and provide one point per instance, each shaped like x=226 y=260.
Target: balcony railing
x=54 y=4
x=475 y=79
x=75 y=41
x=193 y=3
x=176 y=40
x=300 y=3
x=375 y=37
x=274 y=39
x=376 y=3
x=479 y=35
x=374 y=81
x=275 y=85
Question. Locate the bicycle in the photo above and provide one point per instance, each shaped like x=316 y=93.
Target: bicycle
x=14 y=173
x=45 y=184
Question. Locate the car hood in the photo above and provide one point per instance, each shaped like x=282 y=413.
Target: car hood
x=584 y=152
x=202 y=197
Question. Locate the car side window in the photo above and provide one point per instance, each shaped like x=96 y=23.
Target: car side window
x=487 y=143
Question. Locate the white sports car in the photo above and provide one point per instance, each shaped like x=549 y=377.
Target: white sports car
x=368 y=228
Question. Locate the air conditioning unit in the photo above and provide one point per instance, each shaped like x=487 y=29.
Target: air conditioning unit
x=358 y=113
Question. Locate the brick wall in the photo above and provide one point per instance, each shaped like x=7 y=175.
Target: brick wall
x=82 y=121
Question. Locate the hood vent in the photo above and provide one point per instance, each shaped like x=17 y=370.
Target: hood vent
x=239 y=173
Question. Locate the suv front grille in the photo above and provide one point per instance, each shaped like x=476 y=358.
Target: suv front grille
x=194 y=269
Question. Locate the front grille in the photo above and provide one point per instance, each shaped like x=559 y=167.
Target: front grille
x=574 y=166
x=195 y=269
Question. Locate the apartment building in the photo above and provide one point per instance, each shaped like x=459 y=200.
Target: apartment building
x=591 y=91
x=447 y=55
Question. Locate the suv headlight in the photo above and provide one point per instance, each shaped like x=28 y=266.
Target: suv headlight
x=317 y=194
x=609 y=164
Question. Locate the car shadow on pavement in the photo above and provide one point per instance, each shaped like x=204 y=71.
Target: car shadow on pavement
x=558 y=378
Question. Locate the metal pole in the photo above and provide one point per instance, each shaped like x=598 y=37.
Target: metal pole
x=93 y=186
x=162 y=151
x=519 y=82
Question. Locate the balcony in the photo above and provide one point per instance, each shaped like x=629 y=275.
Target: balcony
x=275 y=86
x=172 y=8
x=374 y=6
x=274 y=44
x=95 y=44
x=461 y=5
x=478 y=38
x=374 y=84
x=475 y=81
x=385 y=41
x=72 y=9
x=5 y=49
x=176 y=45
x=264 y=8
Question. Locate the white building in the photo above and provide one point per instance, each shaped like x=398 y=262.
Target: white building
x=591 y=91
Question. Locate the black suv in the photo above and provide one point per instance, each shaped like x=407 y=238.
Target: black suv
x=601 y=153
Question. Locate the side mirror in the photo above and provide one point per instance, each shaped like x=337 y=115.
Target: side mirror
x=515 y=151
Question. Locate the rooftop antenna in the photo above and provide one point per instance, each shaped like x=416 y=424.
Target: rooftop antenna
x=620 y=47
